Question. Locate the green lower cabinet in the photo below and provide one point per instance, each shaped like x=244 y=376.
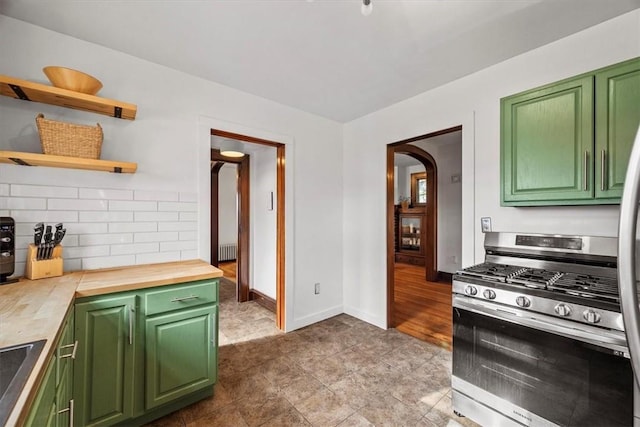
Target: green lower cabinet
x=104 y=365
x=180 y=351
x=43 y=411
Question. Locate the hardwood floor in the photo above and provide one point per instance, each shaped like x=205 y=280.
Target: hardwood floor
x=422 y=309
x=229 y=269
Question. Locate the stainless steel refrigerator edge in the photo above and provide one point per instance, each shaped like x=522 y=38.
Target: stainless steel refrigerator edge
x=627 y=266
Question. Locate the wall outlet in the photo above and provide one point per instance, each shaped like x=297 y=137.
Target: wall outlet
x=316 y=289
x=485 y=223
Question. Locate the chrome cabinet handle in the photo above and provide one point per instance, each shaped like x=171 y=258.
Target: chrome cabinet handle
x=586 y=168
x=131 y=312
x=70 y=410
x=190 y=297
x=603 y=168
x=73 y=353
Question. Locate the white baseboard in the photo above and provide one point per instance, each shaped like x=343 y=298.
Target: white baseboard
x=315 y=317
x=366 y=317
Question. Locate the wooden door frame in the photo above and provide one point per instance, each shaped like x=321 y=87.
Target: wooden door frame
x=244 y=223
x=403 y=147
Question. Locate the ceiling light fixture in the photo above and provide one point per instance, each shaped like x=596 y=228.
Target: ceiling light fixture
x=231 y=148
x=366 y=7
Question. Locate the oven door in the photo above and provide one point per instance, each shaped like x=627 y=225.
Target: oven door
x=534 y=376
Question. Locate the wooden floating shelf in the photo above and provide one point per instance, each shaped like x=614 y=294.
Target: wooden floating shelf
x=35 y=159
x=37 y=92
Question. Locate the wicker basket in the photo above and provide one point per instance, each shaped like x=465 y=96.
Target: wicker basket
x=68 y=139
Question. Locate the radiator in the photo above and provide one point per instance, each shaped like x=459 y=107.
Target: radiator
x=227 y=252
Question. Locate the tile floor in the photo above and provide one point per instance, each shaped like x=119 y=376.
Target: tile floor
x=339 y=372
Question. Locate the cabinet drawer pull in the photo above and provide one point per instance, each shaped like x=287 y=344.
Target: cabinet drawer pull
x=131 y=311
x=603 y=169
x=586 y=168
x=73 y=353
x=70 y=411
x=190 y=297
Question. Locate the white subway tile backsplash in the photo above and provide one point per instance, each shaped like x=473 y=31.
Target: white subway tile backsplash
x=188 y=197
x=77 y=205
x=18 y=269
x=184 y=255
x=177 y=226
x=135 y=248
x=105 y=227
x=156 y=216
x=178 y=246
x=44 y=216
x=72 y=264
x=100 y=193
x=20 y=255
x=188 y=216
x=177 y=206
x=105 y=239
x=163 y=196
x=106 y=216
x=188 y=235
x=157 y=257
x=132 y=206
x=85 y=251
x=44 y=191
x=123 y=227
x=86 y=228
x=166 y=236
x=108 y=261
x=22 y=203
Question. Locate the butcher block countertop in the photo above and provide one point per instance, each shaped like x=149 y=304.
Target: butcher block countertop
x=33 y=310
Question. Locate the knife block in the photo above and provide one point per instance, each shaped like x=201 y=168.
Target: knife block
x=41 y=268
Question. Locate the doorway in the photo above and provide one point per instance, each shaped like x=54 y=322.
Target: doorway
x=418 y=279
x=245 y=291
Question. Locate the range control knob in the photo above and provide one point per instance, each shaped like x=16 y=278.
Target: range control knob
x=591 y=316
x=470 y=290
x=489 y=294
x=523 y=302
x=563 y=310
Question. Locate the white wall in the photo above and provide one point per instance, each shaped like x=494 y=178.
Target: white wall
x=474 y=103
x=228 y=204
x=263 y=221
x=170 y=141
x=446 y=150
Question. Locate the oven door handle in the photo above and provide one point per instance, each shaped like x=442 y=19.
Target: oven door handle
x=603 y=338
x=627 y=275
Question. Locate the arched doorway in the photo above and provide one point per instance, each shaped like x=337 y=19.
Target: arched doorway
x=419 y=298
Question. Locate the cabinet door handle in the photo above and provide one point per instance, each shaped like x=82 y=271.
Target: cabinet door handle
x=73 y=353
x=70 y=410
x=603 y=169
x=131 y=311
x=185 y=298
x=585 y=171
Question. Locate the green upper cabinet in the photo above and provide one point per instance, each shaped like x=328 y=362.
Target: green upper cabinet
x=554 y=139
x=617 y=120
x=547 y=136
x=104 y=366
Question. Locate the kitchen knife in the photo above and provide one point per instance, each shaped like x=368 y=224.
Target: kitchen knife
x=37 y=239
x=48 y=237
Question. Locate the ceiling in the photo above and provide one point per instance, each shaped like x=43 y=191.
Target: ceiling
x=321 y=56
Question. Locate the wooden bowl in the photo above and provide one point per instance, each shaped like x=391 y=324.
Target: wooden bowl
x=77 y=81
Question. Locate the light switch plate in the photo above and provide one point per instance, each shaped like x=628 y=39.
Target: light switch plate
x=485 y=223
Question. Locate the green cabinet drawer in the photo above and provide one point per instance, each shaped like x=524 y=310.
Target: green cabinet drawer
x=43 y=411
x=179 y=297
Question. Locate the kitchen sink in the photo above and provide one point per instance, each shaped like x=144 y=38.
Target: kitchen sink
x=16 y=363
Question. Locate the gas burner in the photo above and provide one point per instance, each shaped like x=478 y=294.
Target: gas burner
x=535 y=278
x=492 y=271
x=587 y=286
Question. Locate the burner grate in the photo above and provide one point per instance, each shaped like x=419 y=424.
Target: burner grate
x=535 y=278
x=491 y=271
x=588 y=286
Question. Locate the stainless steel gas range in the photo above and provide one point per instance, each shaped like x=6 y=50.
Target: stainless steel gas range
x=538 y=334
